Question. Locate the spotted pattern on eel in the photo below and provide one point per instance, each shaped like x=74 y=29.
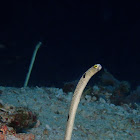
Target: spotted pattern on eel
x=76 y=98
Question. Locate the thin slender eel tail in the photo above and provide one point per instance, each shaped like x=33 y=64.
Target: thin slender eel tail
x=76 y=98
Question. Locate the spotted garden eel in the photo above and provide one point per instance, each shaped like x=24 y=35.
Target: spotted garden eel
x=76 y=98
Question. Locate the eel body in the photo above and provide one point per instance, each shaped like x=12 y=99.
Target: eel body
x=76 y=98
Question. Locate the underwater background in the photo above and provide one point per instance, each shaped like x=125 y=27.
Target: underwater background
x=75 y=35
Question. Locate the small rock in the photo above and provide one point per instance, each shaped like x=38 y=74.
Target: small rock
x=45 y=132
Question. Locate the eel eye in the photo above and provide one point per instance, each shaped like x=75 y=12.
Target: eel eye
x=95 y=66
